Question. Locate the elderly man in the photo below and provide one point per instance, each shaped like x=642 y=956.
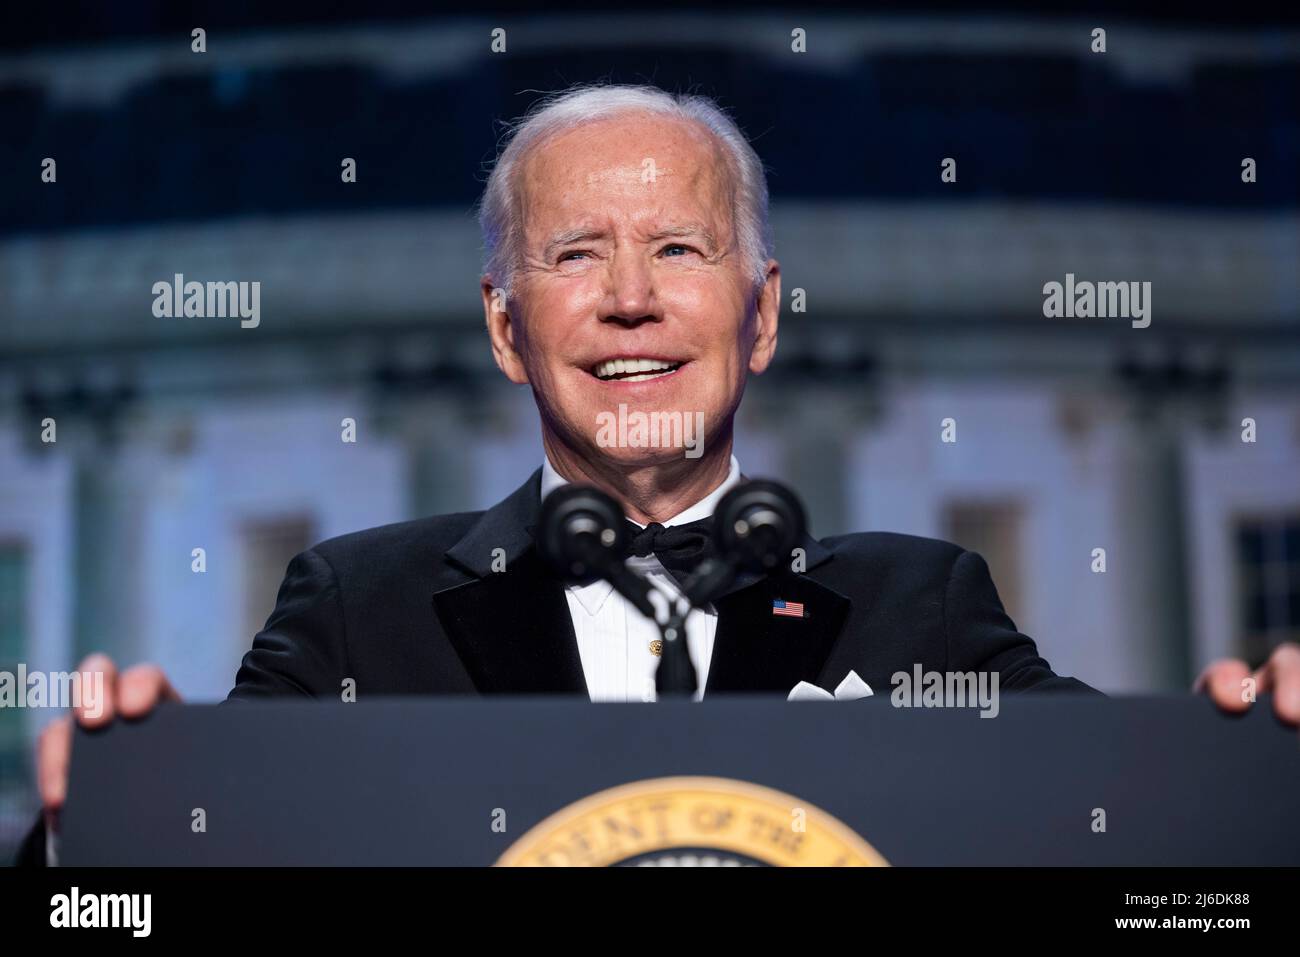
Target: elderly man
x=629 y=271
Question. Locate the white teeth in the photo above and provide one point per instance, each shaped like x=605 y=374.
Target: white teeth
x=643 y=377
x=612 y=367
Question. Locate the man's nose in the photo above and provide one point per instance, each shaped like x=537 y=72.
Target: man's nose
x=630 y=293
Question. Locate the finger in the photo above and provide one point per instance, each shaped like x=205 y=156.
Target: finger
x=53 y=751
x=1281 y=675
x=142 y=687
x=1222 y=681
x=99 y=683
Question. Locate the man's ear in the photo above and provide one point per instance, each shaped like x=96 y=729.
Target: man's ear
x=768 y=316
x=501 y=331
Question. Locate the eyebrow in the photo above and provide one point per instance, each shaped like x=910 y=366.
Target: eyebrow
x=586 y=234
x=579 y=235
x=686 y=229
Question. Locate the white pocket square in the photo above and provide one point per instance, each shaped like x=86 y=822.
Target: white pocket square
x=850 y=689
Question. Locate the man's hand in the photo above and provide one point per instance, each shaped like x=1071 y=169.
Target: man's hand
x=131 y=695
x=1227 y=685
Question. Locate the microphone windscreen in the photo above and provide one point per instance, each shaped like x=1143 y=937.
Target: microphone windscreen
x=758 y=524
x=580 y=527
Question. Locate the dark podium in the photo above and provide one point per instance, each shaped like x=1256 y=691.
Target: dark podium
x=1055 y=780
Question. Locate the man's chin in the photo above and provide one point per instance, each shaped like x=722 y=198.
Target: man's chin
x=627 y=459
x=632 y=438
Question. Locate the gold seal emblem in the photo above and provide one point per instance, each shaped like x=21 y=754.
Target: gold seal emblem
x=691 y=821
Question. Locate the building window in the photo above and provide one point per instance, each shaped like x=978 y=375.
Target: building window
x=1268 y=583
x=993 y=529
x=267 y=547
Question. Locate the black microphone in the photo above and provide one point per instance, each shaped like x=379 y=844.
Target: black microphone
x=757 y=525
x=583 y=535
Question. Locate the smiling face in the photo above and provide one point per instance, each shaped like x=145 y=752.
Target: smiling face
x=631 y=287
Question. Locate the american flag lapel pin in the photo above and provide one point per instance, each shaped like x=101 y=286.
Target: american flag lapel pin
x=788 y=609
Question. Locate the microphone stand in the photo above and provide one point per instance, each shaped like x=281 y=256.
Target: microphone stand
x=676 y=675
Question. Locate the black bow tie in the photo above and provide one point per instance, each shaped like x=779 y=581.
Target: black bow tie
x=679 y=548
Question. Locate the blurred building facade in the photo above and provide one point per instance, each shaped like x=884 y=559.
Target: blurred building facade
x=919 y=301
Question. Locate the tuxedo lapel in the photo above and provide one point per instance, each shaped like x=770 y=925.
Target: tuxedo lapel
x=755 y=650
x=511 y=628
x=513 y=631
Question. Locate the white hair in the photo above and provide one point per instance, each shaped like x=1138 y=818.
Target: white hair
x=498 y=209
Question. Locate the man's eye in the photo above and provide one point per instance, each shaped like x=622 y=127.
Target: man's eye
x=672 y=249
x=565 y=257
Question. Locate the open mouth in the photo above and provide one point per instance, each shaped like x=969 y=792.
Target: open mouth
x=634 y=369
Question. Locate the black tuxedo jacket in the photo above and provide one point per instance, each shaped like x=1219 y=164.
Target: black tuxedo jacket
x=416 y=608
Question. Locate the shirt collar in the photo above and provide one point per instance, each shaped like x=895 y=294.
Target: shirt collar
x=593 y=596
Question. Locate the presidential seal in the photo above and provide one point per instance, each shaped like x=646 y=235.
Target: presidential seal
x=691 y=822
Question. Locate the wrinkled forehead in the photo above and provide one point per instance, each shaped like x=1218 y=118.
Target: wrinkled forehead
x=625 y=168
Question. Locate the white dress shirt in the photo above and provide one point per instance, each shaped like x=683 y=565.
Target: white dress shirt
x=614 y=638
